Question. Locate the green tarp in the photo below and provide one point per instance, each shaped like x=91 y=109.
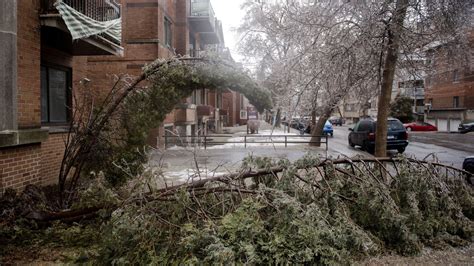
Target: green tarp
x=82 y=26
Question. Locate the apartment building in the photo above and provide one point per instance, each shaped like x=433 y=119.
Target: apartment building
x=47 y=59
x=39 y=76
x=450 y=86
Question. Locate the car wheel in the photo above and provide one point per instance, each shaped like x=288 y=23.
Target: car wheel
x=408 y=129
x=351 y=144
x=401 y=150
x=367 y=148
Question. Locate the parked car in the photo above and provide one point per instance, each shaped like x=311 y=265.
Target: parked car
x=363 y=135
x=337 y=121
x=327 y=130
x=299 y=125
x=466 y=127
x=468 y=166
x=420 y=126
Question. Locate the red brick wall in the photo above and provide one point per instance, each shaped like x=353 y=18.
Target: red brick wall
x=36 y=164
x=52 y=152
x=441 y=87
x=442 y=96
x=141 y=19
x=20 y=166
x=28 y=41
x=229 y=103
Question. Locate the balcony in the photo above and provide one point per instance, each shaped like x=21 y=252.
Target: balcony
x=185 y=114
x=205 y=110
x=203 y=21
x=216 y=50
x=414 y=93
x=99 y=32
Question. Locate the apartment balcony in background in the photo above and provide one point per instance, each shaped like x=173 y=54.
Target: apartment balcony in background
x=205 y=110
x=102 y=16
x=185 y=114
x=414 y=93
x=203 y=21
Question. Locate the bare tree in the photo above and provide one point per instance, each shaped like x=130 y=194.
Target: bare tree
x=332 y=48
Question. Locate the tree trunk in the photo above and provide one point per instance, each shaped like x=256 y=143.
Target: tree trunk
x=317 y=130
x=278 y=118
x=391 y=57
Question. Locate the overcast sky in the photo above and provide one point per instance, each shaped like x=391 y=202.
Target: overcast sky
x=229 y=12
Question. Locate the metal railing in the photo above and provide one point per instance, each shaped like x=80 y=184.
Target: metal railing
x=202 y=8
x=246 y=140
x=100 y=10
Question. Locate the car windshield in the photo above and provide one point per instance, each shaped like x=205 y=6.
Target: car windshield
x=394 y=125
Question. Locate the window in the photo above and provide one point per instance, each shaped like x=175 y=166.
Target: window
x=203 y=97
x=55 y=96
x=194 y=97
x=394 y=125
x=456 y=101
x=168 y=33
x=243 y=114
x=365 y=126
x=418 y=83
x=455 y=75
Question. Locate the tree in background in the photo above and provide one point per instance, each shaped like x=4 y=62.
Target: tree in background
x=322 y=50
x=402 y=109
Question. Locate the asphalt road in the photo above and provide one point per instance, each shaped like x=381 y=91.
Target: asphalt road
x=447 y=148
x=179 y=163
x=456 y=141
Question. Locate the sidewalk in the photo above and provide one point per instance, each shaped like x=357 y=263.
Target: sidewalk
x=264 y=126
x=179 y=163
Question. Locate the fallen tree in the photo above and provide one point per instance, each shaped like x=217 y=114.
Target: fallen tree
x=309 y=211
x=111 y=136
x=385 y=167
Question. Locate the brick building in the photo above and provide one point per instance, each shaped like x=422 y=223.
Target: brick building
x=449 y=93
x=38 y=56
x=45 y=66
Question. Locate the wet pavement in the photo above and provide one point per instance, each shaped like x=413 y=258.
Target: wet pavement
x=462 y=142
x=180 y=163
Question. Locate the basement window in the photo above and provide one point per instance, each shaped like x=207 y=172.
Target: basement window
x=55 y=94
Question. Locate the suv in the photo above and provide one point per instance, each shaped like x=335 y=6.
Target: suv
x=363 y=134
x=468 y=166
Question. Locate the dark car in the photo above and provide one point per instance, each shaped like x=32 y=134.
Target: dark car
x=468 y=166
x=336 y=121
x=466 y=127
x=363 y=135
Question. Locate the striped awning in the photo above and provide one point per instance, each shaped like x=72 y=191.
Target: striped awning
x=81 y=26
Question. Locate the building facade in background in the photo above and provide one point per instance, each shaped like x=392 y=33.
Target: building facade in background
x=449 y=98
x=47 y=59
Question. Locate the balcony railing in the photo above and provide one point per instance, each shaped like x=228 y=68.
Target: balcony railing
x=100 y=10
x=202 y=8
x=205 y=110
x=210 y=50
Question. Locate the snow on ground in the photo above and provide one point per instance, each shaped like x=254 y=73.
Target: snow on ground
x=189 y=175
x=272 y=138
